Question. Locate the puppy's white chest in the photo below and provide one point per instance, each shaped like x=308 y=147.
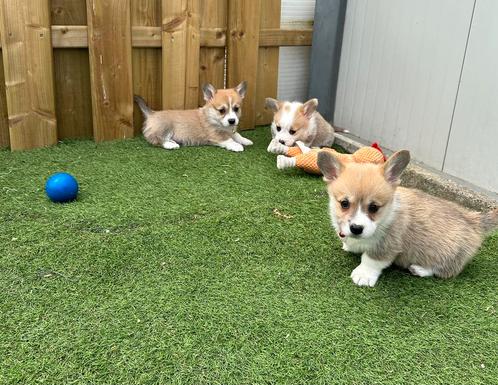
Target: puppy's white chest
x=360 y=245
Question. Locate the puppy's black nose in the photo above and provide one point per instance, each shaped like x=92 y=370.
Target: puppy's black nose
x=231 y=121
x=356 y=229
x=281 y=141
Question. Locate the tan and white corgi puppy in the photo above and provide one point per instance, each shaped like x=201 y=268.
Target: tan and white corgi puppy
x=213 y=124
x=390 y=224
x=295 y=121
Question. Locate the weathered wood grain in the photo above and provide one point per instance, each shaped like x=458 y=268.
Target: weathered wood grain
x=174 y=44
x=25 y=28
x=72 y=69
x=212 y=59
x=4 y=115
x=193 y=46
x=146 y=21
x=109 y=37
x=243 y=47
x=267 y=76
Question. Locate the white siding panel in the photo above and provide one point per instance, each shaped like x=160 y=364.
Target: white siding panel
x=472 y=149
x=293 y=11
x=399 y=72
x=294 y=62
x=293 y=73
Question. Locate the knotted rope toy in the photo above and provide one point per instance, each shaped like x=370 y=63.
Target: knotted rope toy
x=305 y=158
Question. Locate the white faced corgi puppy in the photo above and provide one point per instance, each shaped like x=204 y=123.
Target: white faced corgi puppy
x=294 y=121
x=213 y=124
x=390 y=224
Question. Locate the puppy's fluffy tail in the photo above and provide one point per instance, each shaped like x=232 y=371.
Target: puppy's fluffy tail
x=489 y=221
x=146 y=110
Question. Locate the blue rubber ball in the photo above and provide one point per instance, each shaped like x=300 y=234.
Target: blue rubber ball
x=61 y=187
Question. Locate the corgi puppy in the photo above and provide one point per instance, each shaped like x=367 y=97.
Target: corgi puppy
x=390 y=224
x=294 y=121
x=213 y=124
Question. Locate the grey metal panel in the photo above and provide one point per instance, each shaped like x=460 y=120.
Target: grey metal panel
x=399 y=72
x=325 y=53
x=472 y=148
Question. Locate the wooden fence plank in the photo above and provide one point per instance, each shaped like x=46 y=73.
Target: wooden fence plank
x=193 y=47
x=109 y=37
x=4 y=116
x=243 y=41
x=146 y=15
x=174 y=43
x=267 y=77
x=25 y=28
x=76 y=36
x=73 y=94
x=215 y=37
x=70 y=12
x=72 y=70
x=212 y=60
x=274 y=37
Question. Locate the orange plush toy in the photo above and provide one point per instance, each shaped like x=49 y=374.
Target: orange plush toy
x=305 y=158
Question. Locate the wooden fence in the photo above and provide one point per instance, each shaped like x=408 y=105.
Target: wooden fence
x=71 y=67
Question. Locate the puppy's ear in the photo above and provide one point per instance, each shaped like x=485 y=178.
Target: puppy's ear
x=329 y=165
x=310 y=107
x=395 y=165
x=272 y=104
x=208 y=91
x=241 y=89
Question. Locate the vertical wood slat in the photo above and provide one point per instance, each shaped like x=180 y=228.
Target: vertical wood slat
x=193 y=52
x=72 y=72
x=181 y=45
x=267 y=76
x=27 y=59
x=4 y=116
x=243 y=47
x=146 y=61
x=212 y=60
x=109 y=42
x=174 y=42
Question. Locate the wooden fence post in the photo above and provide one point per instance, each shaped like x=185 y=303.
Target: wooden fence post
x=109 y=42
x=267 y=77
x=243 y=47
x=29 y=78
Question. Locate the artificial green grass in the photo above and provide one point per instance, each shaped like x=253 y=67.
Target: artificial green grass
x=203 y=266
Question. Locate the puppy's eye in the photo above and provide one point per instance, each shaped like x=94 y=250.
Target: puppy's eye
x=278 y=128
x=236 y=109
x=222 y=110
x=292 y=132
x=345 y=204
x=373 y=208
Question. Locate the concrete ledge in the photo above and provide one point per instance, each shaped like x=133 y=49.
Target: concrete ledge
x=434 y=182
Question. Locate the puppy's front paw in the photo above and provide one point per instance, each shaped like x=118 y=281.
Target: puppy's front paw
x=236 y=147
x=421 y=271
x=365 y=276
x=246 y=142
x=275 y=147
x=345 y=247
x=170 y=145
